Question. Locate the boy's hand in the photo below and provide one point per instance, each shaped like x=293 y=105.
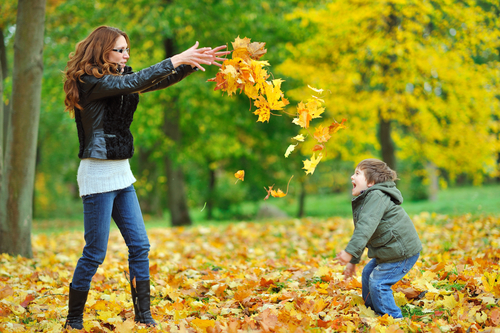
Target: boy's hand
x=349 y=271
x=343 y=257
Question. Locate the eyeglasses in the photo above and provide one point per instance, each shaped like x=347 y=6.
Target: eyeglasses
x=122 y=50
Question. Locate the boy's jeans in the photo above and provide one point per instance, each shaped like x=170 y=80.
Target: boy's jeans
x=98 y=209
x=377 y=281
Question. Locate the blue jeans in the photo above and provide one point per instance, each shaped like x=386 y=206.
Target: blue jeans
x=377 y=280
x=98 y=209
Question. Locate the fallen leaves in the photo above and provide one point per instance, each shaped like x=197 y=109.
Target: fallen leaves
x=261 y=277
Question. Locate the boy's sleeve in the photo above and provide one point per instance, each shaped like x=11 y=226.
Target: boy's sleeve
x=366 y=224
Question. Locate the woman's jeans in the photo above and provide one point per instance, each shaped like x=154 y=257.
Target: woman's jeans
x=98 y=209
x=377 y=281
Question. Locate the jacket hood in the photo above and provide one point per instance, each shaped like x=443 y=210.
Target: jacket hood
x=390 y=189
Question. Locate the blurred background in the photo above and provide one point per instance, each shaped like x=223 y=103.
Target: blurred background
x=417 y=81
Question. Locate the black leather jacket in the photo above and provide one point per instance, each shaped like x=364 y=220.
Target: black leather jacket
x=109 y=104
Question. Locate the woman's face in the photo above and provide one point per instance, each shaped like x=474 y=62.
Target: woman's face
x=120 y=54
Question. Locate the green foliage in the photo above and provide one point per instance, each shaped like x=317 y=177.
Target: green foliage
x=365 y=68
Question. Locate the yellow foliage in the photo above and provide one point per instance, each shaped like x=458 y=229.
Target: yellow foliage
x=380 y=60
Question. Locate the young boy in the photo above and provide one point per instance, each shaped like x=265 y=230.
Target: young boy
x=381 y=225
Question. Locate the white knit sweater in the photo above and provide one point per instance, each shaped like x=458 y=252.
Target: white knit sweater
x=99 y=176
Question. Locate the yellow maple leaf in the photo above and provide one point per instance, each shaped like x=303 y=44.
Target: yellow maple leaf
x=275 y=96
x=127 y=326
x=240 y=174
x=203 y=323
x=263 y=111
x=310 y=165
x=278 y=194
x=240 y=43
x=313 y=105
x=304 y=117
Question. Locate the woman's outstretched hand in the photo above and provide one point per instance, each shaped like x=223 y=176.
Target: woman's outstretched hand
x=196 y=57
x=217 y=54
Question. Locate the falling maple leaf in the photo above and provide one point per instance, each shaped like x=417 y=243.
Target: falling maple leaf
x=322 y=134
x=318 y=147
x=290 y=149
x=320 y=91
x=335 y=126
x=240 y=174
x=277 y=193
x=310 y=165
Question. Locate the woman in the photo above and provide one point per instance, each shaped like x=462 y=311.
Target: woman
x=103 y=93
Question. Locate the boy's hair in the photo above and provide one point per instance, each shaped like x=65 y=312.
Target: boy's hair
x=376 y=171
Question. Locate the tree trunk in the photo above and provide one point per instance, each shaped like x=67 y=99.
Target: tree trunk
x=386 y=143
x=302 y=199
x=19 y=176
x=434 y=181
x=2 y=46
x=211 y=194
x=176 y=193
x=151 y=201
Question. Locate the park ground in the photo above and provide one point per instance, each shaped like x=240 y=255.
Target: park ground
x=265 y=276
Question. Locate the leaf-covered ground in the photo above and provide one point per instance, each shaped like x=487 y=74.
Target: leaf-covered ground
x=262 y=277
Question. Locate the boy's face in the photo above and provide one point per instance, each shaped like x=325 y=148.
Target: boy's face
x=359 y=182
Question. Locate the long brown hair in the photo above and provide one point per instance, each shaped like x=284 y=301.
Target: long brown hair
x=90 y=57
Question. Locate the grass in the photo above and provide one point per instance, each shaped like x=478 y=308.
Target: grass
x=481 y=200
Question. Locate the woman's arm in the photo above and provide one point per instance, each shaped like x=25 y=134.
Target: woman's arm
x=158 y=74
x=180 y=73
x=111 y=85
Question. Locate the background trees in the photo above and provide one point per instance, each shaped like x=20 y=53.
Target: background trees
x=417 y=81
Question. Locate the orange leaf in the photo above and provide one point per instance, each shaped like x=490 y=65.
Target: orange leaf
x=27 y=300
x=6 y=291
x=322 y=134
x=318 y=147
x=335 y=126
x=268 y=191
x=495 y=317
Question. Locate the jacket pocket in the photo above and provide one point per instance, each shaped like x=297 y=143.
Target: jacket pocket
x=381 y=240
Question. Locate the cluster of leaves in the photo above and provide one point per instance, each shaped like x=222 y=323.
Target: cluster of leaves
x=245 y=72
x=261 y=277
